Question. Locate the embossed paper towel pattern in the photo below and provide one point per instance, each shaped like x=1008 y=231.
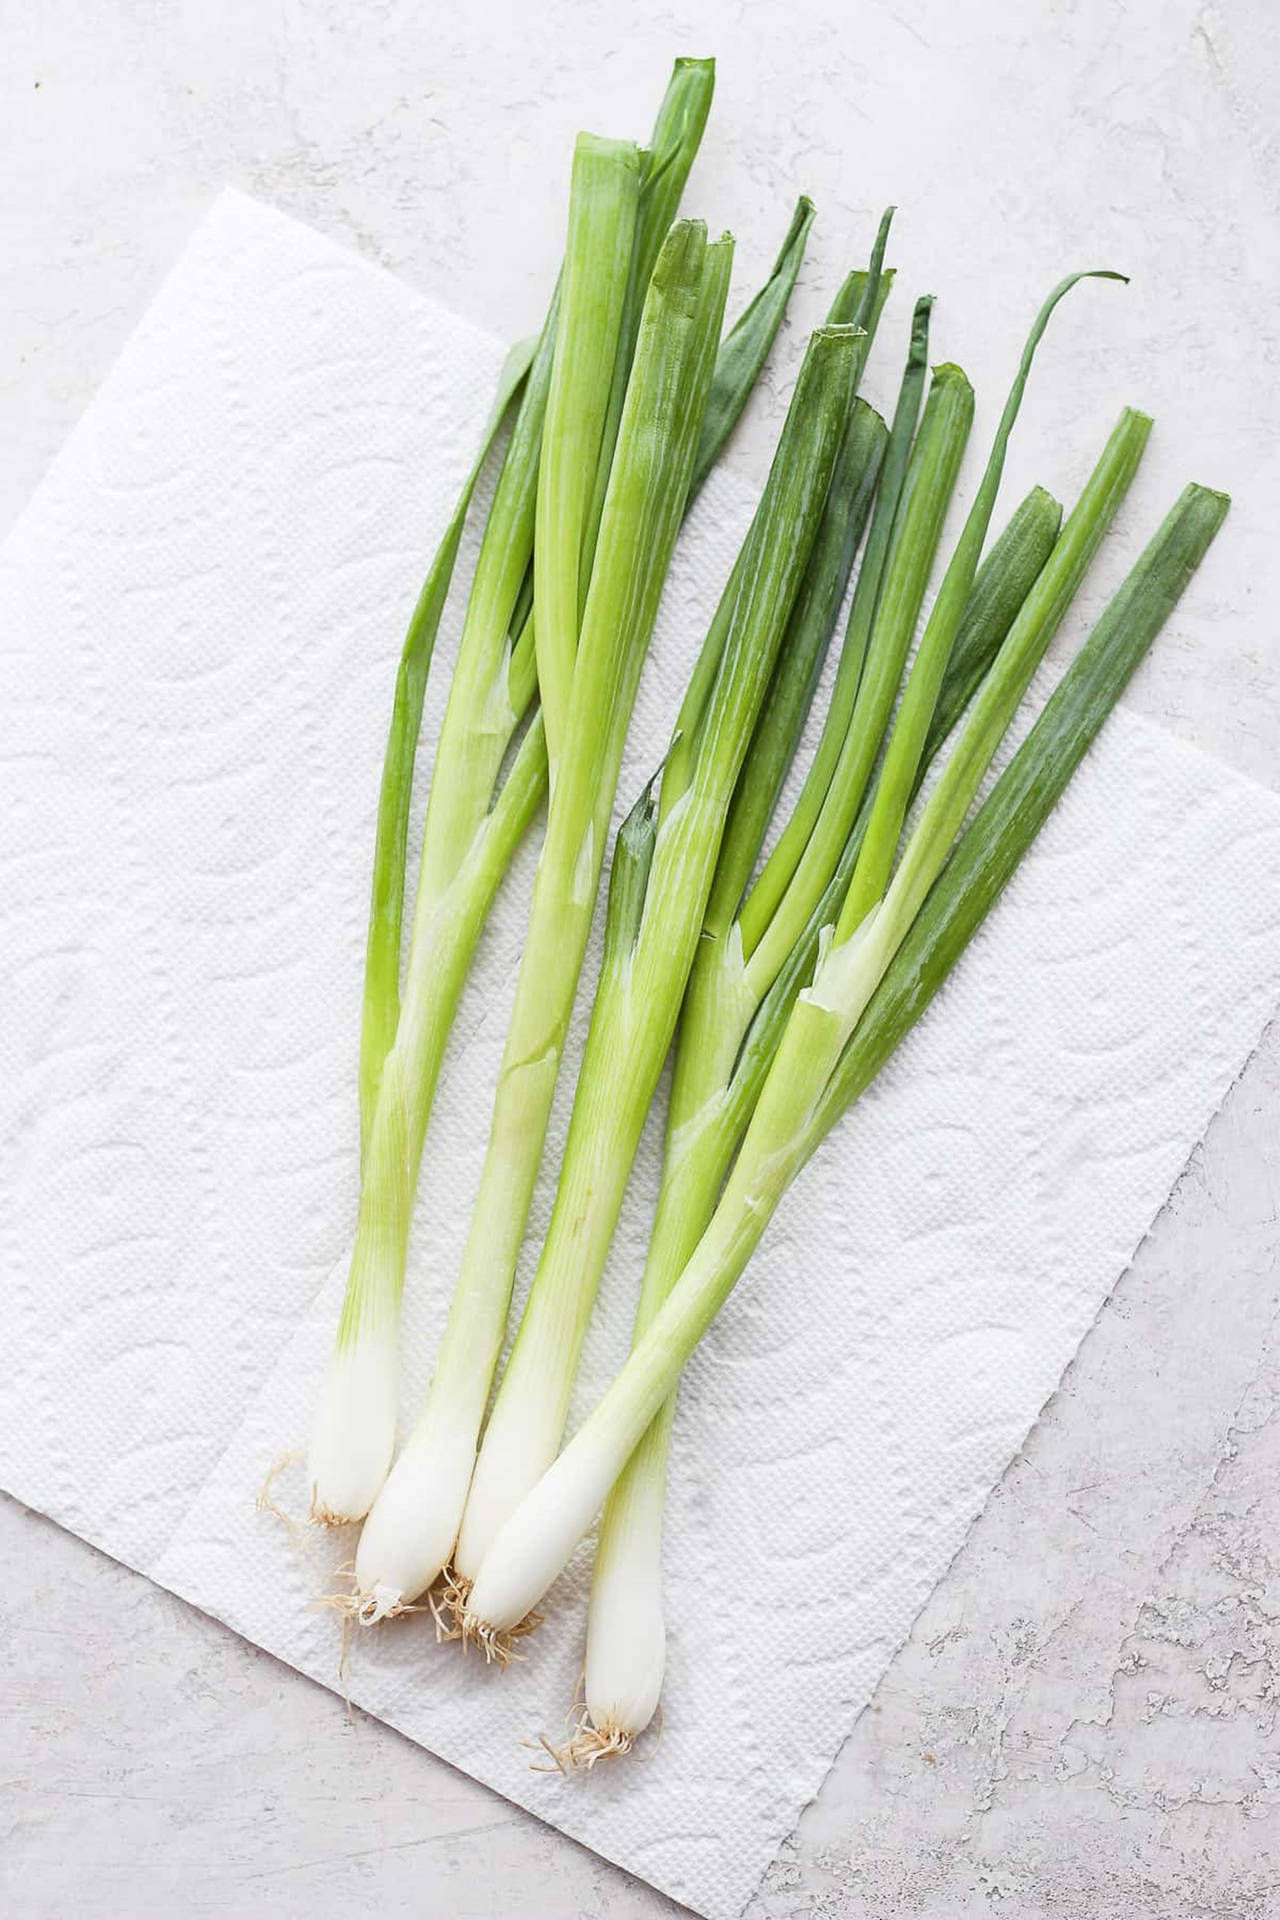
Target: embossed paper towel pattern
x=201 y=611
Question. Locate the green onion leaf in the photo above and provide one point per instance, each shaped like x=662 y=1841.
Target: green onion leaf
x=381 y=1009
x=800 y=660
x=898 y=776
x=603 y=207
x=931 y=477
x=1009 y=820
x=746 y=347
x=642 y=980
x=875 y=699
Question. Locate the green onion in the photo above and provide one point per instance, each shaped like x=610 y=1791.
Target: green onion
x=603 y=204
x=644 y=504
x=724 y=996
x=677 y=135
x=468 y=842
x=853 y=488
x=476 y=819
x=472 y=829
x=931 y=478
x=787 y=704
x=400 y=1551
x=786 y=981
x=642 y=982
x=1004 y=581
x=812 y=1076
x=664 y=168
x=742 y=962
x=626 y=1634
x=847 y=964
x=867 y=675
x=897 y=778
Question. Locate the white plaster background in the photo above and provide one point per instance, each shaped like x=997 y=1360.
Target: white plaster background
x=1084 y=1721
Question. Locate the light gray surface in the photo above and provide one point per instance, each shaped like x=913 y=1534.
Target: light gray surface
x=1083 y=1721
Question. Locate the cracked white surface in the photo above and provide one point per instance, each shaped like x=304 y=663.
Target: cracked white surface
x=1107 y=1627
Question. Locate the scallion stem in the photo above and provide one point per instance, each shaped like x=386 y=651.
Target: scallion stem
x=898 y=777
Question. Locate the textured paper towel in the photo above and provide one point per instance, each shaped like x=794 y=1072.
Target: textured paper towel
x=201 y=611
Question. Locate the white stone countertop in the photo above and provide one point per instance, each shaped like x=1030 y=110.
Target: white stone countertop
x=1085 y=1720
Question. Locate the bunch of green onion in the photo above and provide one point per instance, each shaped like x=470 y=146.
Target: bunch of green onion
x=622 y=406
x=876 y=969
x=659 y=888
x=785 y=982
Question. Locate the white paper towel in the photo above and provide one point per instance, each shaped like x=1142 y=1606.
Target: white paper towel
x=201 y=612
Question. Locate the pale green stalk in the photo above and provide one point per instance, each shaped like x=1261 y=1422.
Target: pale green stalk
x=468 y=842
x=677 y=135
x=664 y=166
x=742 y=354
x=603 y=206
